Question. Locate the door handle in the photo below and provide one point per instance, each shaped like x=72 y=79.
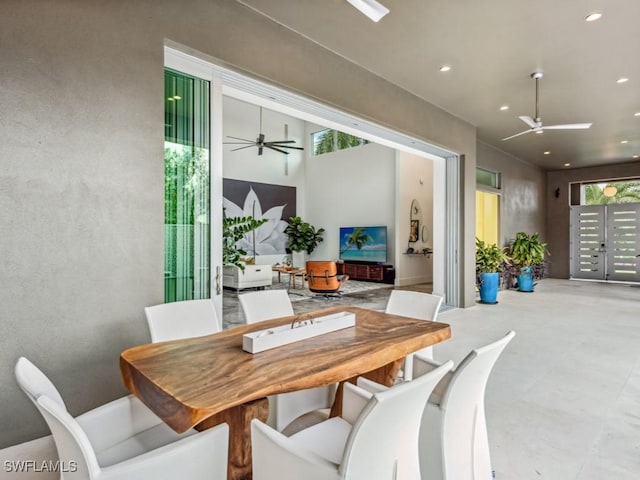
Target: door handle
x=218 y=279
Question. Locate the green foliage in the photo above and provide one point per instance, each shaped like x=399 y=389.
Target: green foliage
x=333 y=140
x=302 y=235
x=627 y=192
x=489 y=257
x=357 y=239
x=233 y=229
x=527 y=250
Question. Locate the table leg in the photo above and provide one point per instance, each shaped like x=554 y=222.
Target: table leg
x=385 y=375
x=239 y=421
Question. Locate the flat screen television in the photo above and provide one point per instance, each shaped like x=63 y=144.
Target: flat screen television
x=363 y=244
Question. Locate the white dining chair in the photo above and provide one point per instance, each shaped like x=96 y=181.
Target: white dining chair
x=375 y=438
x=453 y=436
x=286 y=407
x=265 y=304
x=123 y=439
x=188 y=318
x=421 y=305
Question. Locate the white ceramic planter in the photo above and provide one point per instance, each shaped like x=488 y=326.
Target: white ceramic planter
x=304 y=327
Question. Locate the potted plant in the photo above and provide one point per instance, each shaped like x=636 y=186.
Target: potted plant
x=489 y=261
x=233 y=229
x=527 y=254
x=302 y=236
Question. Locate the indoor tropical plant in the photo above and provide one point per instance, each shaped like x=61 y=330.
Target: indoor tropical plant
x=302 y=235
x=489 y=264
x=527 y=254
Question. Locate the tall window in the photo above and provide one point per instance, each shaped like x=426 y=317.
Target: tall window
x=329 y=140
x=487 y=205
x=186 y=187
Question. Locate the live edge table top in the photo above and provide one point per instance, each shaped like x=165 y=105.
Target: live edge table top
x=186 y=381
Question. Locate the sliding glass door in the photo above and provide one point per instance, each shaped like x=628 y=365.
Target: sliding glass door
x=186 y=187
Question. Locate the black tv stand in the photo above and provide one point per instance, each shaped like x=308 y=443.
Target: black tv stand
x=368 y=271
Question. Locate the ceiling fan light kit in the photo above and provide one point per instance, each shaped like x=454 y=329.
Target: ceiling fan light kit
x=372 y=9
x=535 y=124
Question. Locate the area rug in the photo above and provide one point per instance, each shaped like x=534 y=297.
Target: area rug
x=350 y=287
x=303 y=293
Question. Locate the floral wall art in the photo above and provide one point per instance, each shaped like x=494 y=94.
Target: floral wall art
x=276 y=203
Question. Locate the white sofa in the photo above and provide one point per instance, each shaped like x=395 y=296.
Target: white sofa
x=253 y=276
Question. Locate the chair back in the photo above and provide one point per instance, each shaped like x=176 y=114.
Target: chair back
x=383 y=442
x=462 y=429
x=35 y=383
x=265 y=305
x=73 y=446
x=189 y=318
x=323 y=277
x=420 y=305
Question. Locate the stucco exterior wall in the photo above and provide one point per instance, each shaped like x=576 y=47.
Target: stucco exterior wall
x=523 y=194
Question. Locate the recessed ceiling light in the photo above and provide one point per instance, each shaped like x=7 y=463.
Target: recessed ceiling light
x=504 y=107
x=636 y=156
x=372 y=9
x=637 y=114
x=567 y=164
x=547 y=152
x=624 y=141
x=445 y=68
x=592 y=17
x=622 y=80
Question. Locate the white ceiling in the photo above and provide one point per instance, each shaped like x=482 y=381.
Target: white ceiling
x=493 y=46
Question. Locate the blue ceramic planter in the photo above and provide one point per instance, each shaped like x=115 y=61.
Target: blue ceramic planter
x=489 y=287
x=525 y=280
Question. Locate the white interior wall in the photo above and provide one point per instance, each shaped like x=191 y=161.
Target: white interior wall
x=352 y=187
x=415 y=181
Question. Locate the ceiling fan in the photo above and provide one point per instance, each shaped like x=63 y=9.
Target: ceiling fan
x=277 y=145
x=535 y=124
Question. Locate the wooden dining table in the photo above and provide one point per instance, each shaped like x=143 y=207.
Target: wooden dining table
x=203 y=381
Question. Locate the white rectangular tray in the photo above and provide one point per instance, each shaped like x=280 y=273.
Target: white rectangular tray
x=304 y=328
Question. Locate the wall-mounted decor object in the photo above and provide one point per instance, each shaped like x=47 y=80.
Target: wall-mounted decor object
x=276 y=203
x=414 y=231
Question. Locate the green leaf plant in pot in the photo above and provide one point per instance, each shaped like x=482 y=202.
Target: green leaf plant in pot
x=489 y=264
x=527 y=254
x=303 y=237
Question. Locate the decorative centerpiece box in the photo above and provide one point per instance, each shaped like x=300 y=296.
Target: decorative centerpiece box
x=302 y=327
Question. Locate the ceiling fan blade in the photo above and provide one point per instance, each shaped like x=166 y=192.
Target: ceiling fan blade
x=238 y=143
x=568 y=126
x=277 y=149
x=517 y=135
x=529 y=121
x=243 y=139
x=277 y=144
x=281 y=141
x=242 y=148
